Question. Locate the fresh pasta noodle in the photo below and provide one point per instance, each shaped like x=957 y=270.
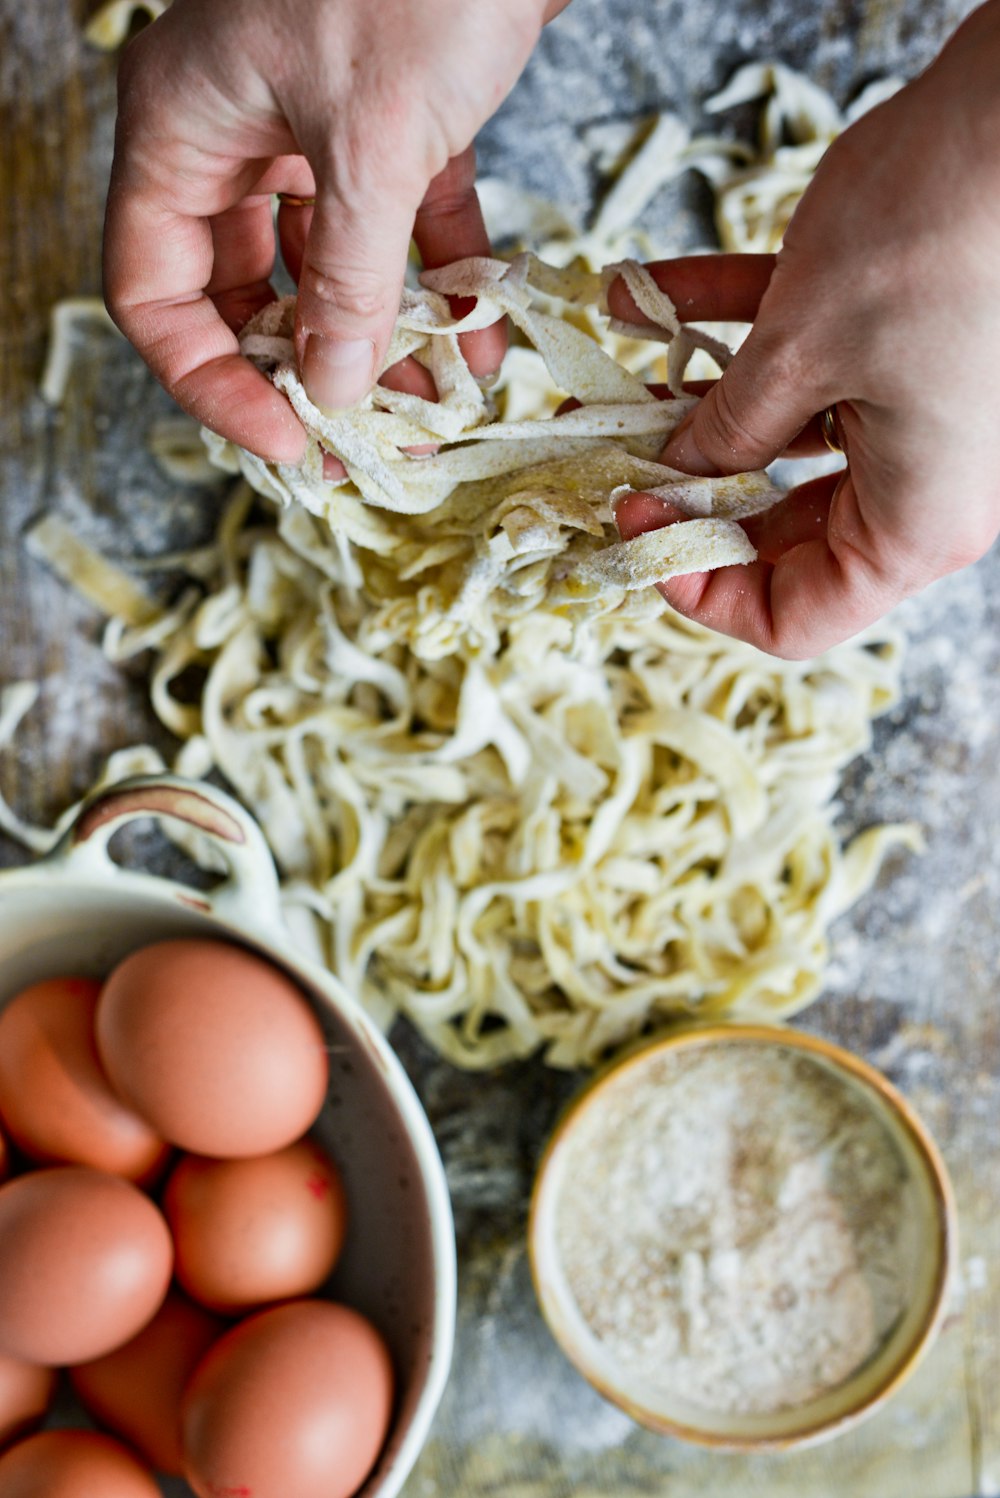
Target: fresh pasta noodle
x=110 y=25
x=70 y=318
x=510 y=794
x=508 y=517
x=546 y=847
x=755 y=201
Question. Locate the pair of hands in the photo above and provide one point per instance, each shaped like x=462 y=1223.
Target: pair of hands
x=884 y=301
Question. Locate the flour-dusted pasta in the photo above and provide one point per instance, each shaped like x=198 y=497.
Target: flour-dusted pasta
x=511 y=795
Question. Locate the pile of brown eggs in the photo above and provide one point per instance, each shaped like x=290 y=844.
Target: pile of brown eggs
x=174 y=1288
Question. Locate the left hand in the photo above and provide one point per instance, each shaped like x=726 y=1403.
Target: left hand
x=368 y=106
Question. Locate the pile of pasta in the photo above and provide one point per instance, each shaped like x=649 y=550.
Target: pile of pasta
x=511 y=795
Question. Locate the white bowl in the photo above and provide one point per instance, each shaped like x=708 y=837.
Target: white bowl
x=76 y=911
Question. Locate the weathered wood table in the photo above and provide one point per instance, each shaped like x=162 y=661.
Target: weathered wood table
x=916 y=967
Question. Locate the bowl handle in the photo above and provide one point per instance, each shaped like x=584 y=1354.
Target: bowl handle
x=251 y=895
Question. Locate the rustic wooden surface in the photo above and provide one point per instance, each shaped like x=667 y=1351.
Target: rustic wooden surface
x=915 y=971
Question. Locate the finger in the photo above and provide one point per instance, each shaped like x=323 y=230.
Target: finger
x=157 y=263
x=816 y=594
x=408 y=377
x=803 y=515
x=441 y=238
x=756 y=410
x=449 y=226
x=294 y=221
x=809 y=443
x=288 y=174
x=243 y=259
x=350 y=284
x=292 y=175
x=703 y=288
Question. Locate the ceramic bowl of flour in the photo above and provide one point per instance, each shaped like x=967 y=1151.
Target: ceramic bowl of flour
x=743 y=1236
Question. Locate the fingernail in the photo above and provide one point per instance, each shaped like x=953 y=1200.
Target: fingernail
x=338 y=374
x=683 y=452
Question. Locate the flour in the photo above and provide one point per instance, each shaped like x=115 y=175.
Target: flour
x=737 y=1228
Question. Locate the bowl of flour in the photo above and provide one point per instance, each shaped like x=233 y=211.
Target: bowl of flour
x=743 y=1236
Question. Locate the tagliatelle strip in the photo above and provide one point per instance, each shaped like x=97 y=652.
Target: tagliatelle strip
x=70 y=317
x=109 y=26
x=16 y=700
x=675 y=549
x=755 y=201
x=548 y=845
x=91 y=574
x=511 y=796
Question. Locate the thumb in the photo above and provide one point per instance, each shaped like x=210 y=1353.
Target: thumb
x=349 y=292
x=749 y=417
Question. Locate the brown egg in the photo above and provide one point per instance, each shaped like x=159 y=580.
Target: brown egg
x=295 y=1402
x=25 y=1394
x=73 y=1464
x=85 y=1262
x=217 y=1048
x=136 y=1390
x=251 y=1231
x=55 y=1100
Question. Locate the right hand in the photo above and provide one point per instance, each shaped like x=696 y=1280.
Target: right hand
x=371 y=106
x=884 y=303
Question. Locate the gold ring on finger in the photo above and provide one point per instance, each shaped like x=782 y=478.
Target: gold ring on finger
x=292 y=200
x=831 y=434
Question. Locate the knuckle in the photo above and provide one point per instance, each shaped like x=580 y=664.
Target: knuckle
x=786 y=365
x=373 y=150
x=354 y=292
x=118 y=291
x=725 y=421
x=348 y=161
x=967 y=547
x=727 y=432
x=792 y=645
x=736 y=426
x=117 y=306
x=130 y=62
x=142 y=69
x=351 y=164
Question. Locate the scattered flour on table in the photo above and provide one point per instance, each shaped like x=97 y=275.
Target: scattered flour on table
x=736 y=1227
